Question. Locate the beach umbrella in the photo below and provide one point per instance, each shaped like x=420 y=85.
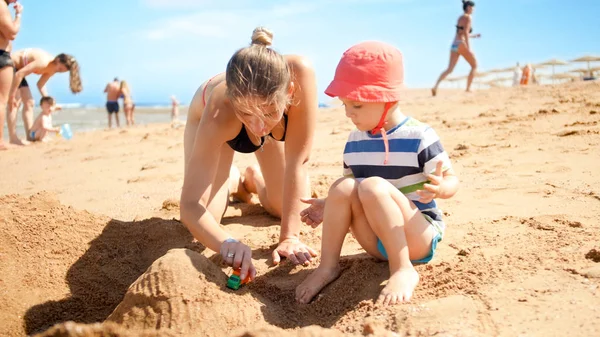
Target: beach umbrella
x=580 y=70
x=456 y=79
x=494 y=83
x=481 y=74
x=564 y=76
x=502 y=79
x=501 y=70
x=553 y=63
x=587 y=59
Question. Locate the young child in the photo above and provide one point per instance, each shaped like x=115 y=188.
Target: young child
x=43 y=123
x=394 y=168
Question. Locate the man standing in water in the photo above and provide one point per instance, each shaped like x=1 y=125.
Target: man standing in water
x=113 y=91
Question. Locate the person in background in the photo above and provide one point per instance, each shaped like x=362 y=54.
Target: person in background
x=128 y=104
x=9 y=28
x=461 y=46
x=526 y=76
x=39 y=62
x=43 y=123
x=174 y=109
x=517 y=75
x=113 y=92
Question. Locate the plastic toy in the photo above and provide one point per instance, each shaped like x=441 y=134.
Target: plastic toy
x=235 y=282
x=65 y=131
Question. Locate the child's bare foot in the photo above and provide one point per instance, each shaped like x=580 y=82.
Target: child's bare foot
x=236 y=186
x=17 y=141
x=400 y=287
x=3 y=146
x=315 y=282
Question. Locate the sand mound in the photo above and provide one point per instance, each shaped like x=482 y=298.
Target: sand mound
x=185 y=292
x=66 y=265
x=72 y=329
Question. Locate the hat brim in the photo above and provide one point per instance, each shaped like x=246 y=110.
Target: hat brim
x=364 y=93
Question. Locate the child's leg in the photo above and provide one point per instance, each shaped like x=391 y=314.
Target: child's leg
x=404 y=232
x=40 y=135
x=109 y=121
x=236 y=186
x=336 y=222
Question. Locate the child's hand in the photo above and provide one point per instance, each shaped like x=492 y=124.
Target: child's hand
x=313 y=215
x=434 y=188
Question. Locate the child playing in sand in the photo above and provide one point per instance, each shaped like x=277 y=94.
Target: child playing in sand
x=391 y=180
x=43 y=123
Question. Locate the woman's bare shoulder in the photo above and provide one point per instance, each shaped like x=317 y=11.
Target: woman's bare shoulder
x=299 y=63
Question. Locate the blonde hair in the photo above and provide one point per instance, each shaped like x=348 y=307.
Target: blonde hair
x=258 y=75
x=71 y=64
x=124 y=85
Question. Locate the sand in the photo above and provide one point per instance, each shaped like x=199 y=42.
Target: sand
x=91 y=245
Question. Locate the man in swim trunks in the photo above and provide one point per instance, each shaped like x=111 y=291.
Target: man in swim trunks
x=113 y=91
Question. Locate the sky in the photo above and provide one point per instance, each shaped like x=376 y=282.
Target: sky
x=165 y=47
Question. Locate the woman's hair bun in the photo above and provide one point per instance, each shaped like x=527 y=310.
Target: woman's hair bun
x=262 y=36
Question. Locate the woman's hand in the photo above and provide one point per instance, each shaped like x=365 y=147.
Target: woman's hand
x=294 y=250
x=239 y=256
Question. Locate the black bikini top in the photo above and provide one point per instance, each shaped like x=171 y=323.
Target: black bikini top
x=242 y=143
x=461 y=28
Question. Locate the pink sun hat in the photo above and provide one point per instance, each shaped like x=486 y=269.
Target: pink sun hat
x=370 y=71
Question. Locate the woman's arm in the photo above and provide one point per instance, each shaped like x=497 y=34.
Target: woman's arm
x=9 y=28
x=467 y=30
x=20 y=75
x=302 y=118
x=199 y=176
x=200 y=172
x=41 y=84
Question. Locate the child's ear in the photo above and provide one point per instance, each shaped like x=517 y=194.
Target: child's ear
x=291 y=88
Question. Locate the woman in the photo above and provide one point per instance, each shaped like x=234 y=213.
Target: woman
x=461 y=46
x=266 y=104
x=42 y=63
x=8 y=31
x=128 y=105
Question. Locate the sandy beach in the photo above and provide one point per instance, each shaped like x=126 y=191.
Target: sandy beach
x=89 y=233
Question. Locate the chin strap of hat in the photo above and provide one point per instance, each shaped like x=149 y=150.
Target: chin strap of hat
x=379 y=128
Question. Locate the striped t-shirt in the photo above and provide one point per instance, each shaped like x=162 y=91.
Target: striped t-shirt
x=414 y=150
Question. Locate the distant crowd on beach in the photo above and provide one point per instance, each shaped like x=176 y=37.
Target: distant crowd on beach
x=15 y=66
x=116 y=90
x=15 y=91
